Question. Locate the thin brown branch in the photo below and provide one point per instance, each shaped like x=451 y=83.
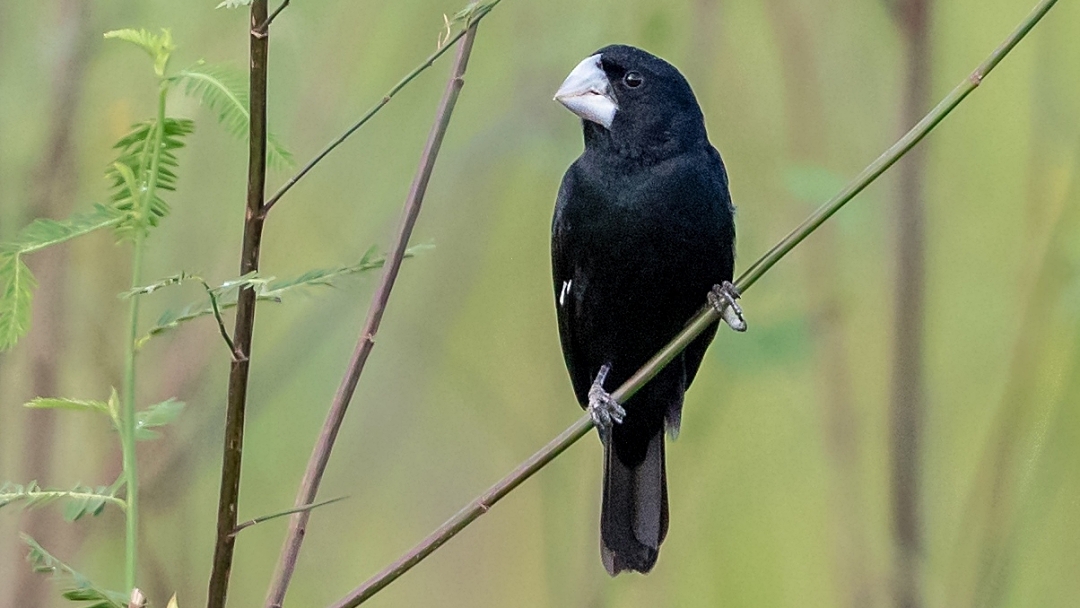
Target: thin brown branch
x=221 y=322
x=309 y=486
x=265 y=25
x=245 y=319
x=696 y=325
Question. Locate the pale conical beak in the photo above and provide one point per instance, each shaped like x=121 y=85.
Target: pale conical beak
x=587 y=93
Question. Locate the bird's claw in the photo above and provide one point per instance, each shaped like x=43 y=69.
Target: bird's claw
x=722 y=297
x=604 y=410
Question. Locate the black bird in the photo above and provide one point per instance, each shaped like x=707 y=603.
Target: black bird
x=643 y=234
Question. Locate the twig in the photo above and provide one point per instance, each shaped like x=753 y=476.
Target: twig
x=245 y=319
x=220 y=322
x=265 y=25
x=265 y=518
x=473 y=20
x=309 y=486
x=703 y=319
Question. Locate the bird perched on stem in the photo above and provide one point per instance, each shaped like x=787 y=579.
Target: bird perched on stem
x=643 y=236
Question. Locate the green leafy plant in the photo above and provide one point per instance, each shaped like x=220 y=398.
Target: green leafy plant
x=77 y=587
x=146 y=166
x=267 y=289
x=145 y=169
x=79 y=501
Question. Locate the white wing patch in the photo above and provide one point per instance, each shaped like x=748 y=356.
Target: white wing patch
x=565 y=290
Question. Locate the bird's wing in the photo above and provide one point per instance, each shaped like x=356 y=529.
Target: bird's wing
x=569 y=284
x=725 y=257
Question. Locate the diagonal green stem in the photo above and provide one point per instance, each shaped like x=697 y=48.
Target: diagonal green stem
x=696 y=325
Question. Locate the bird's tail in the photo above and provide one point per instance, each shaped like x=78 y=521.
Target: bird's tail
x=634 y=515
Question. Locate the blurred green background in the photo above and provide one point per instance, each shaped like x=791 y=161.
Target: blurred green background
x=780 y=481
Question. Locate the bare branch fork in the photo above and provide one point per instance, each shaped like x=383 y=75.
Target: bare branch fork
x=265 y=25
x=703 y=319
x=321 y=453
x=245 y=317
x=480 y=11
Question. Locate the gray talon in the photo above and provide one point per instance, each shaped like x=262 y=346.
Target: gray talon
x=722 y=297
x=603 y=409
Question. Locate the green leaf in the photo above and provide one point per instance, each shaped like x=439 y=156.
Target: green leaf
x=176 y=279
x=472 y=11
x=16 y=282
x=157 y=415
x=158 y=46
x=251 y=279
x=16 y=294
x=83 y=405
x=114 y=408
x=234 y=3
x=42 y=233
x=86 y=501
x=225 y=92
x=77 y=587
x=79 y=501
x=268 y=290
x=130 y=173
x=325 y=276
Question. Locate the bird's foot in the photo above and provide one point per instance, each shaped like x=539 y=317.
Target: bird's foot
x=603 y=408
x=722 y=297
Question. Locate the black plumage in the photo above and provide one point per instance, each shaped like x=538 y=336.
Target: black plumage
x=643 y=230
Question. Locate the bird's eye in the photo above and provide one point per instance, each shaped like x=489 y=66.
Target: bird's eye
x=633 y=80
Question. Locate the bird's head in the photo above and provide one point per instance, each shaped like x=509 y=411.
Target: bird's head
x=634 y=100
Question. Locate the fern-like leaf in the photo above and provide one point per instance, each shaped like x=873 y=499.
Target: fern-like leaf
x=79 y=501
x=158 y=46
x=16 y=295
x=224 y=92
x=17 y=283
x=78 y=587
x=171 y=319
x=176 y=279
x=267 y=290
x=130 y=172
x=234 y=3
x=157 y=415
x=79 y=405
x=44 y=232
